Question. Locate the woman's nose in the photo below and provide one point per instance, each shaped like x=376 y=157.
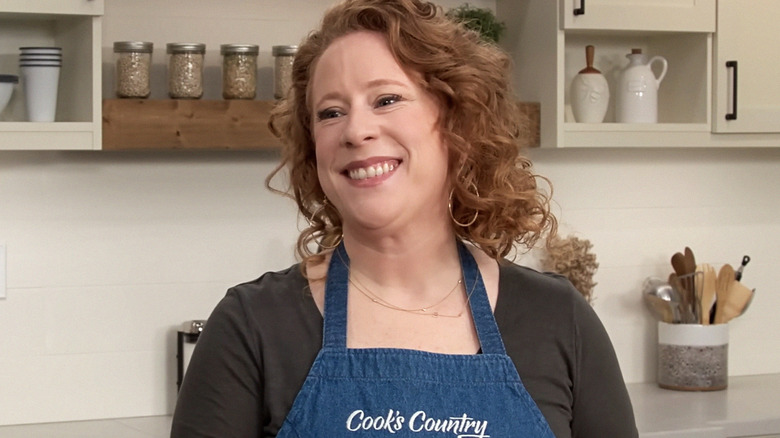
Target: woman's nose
x=361 y=127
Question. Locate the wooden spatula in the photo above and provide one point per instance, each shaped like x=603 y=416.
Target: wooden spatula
x=722 y=290
x=737 y=299
x=709 y=286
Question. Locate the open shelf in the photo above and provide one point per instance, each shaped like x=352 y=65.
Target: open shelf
x=683 y=96
x=75 y=26
x=141 y=124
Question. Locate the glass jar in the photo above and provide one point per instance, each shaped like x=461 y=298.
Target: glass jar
x=239 y=71
x=133 y=64
x=185 y=70
x=283 y=63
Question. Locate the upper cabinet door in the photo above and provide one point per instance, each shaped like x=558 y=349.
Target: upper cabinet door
x=643 y=15
x=74 y=7
x=747 y=97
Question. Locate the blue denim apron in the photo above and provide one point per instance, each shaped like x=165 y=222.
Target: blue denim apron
x=388 y=392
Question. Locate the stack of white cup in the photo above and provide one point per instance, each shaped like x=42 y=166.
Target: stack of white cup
x=40 y=68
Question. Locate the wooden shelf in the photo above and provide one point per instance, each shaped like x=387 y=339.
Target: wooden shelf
x=141 y=124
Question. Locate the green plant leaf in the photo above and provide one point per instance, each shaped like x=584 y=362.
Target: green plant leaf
x=480 y=20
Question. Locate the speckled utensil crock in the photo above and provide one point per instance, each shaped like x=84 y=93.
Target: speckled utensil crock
x=693 y=357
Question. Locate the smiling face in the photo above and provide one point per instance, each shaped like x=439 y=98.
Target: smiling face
x=380 y=158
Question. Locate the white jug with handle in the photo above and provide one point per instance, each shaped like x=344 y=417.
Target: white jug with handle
x=637 y=99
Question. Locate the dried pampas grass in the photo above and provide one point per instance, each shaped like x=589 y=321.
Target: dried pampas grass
x=572 y=258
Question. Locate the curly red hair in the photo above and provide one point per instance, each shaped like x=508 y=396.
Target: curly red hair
x=480 y=123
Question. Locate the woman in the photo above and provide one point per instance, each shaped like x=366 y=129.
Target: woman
x=401 y=139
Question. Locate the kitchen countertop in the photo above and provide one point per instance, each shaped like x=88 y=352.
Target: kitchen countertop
x=749 y=407
x=139 y=427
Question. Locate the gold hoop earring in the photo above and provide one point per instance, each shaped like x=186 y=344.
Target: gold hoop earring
x=449 y=206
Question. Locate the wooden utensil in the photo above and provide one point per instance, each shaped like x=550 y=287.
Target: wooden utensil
x=723 y=288
x=680 y=269
x=689 y=281
x=738 y=297
x=750 y=300
x=690 y=261
x=678 y=263
x=709 y=286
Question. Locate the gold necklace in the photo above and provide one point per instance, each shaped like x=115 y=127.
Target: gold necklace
x=423 y=311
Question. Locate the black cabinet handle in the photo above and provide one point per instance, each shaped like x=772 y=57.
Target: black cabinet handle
x=581 y=9
x=733 y=114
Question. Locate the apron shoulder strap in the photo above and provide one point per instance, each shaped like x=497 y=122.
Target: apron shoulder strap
x=334 y=330
x=484 y=321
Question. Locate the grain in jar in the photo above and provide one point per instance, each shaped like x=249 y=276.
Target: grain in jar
x=185 y=70
x=239 y=71
x=133 y=64
x=283 y=63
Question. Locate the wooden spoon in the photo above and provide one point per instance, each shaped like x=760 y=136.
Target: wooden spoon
x=725 y=278
x=690 y=282
x=690 y=260
x=678 y=264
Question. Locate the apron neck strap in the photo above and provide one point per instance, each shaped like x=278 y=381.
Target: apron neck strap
x=337 y=287
x=334 y=331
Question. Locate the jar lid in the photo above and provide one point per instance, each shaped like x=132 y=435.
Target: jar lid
x=133 y=46
x=284 y=50
x=186 y=48
x=13 y=79
x=249 y=49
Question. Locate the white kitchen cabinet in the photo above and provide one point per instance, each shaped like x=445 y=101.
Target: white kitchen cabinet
x=639 y=15
x=547 y=42
x=746 y=53
x=74 y=25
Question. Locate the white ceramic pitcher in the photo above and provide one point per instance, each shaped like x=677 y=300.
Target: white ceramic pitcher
x=637 y=99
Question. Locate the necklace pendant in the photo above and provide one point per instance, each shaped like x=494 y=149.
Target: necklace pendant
x=435 y=314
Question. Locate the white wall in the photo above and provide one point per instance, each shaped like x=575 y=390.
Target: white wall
x=109 y=252
x=638 y=207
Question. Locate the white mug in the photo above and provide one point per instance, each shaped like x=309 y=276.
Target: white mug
x=41 y=84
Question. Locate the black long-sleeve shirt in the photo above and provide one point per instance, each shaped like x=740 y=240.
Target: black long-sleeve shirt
x=259 y=343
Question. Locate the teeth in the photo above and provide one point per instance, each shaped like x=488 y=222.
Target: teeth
x=371 y=171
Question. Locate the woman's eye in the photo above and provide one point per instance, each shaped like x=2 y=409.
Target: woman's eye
x=329 y=113
x=388 y=100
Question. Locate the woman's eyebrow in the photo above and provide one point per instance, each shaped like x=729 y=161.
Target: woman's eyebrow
x=384 y=81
